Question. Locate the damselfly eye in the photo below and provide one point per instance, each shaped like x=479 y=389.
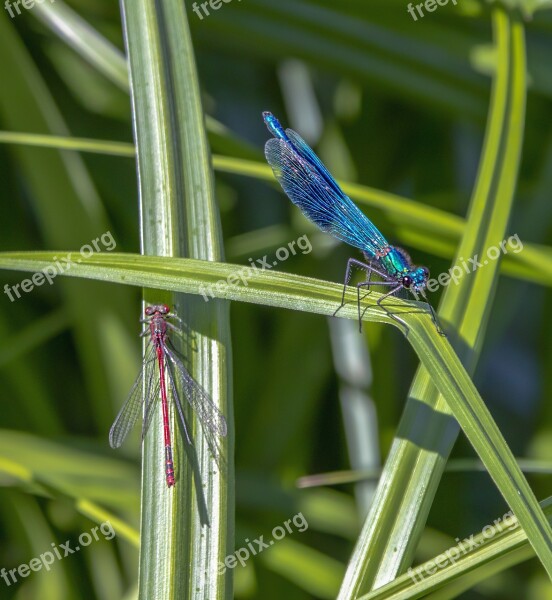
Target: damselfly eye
x=149 y=311
x=164 y=309
x=407 y=281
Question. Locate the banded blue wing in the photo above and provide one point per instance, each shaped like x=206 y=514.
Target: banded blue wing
x=310 y=186
x=306 y=152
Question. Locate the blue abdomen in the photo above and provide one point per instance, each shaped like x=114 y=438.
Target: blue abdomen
x=274 y=126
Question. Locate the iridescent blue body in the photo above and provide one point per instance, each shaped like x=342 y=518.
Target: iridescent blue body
x=311 y=187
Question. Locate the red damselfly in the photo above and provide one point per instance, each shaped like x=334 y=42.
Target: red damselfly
x=162 y=368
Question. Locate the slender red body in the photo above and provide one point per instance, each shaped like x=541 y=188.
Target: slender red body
x=162 y=356
x=158 y=331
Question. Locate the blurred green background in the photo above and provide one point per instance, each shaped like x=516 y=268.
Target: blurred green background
x=391 y=103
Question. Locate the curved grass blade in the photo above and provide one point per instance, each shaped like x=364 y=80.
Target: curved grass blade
x=498 y=547
x=437 y=230
x=427 y=430
x=283 y=290
x=85 y=40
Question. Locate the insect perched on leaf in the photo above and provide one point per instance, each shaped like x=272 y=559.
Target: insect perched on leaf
x=309 y=185
x=162 y=368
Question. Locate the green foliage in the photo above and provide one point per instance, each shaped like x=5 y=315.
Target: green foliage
x=398 y=110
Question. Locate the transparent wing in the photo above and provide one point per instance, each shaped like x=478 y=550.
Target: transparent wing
x=175 y=397
x=210 y=416
x=132 y=408
x=310 y=186
x=151 y=402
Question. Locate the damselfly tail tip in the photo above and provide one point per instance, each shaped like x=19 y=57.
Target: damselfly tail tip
x=275 y=128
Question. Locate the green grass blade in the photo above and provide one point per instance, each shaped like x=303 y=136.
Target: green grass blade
x=300 y=293
x=85 y=40
x=46 y=467
x=436 y=230
x=189 y=524
x=101 y=54
x=68 y=143
x=59 y=184
x=32 y=336
x=427 y=430
x=499 y=546
x=421 y=226
x=458 y=465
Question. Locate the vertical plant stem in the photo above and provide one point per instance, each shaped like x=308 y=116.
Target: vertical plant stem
x=186 y=530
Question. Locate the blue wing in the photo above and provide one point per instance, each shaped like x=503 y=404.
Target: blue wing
x=306 y=152
x=309 y=185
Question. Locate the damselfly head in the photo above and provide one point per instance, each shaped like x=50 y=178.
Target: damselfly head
x=416 y=280
x=162 y=309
